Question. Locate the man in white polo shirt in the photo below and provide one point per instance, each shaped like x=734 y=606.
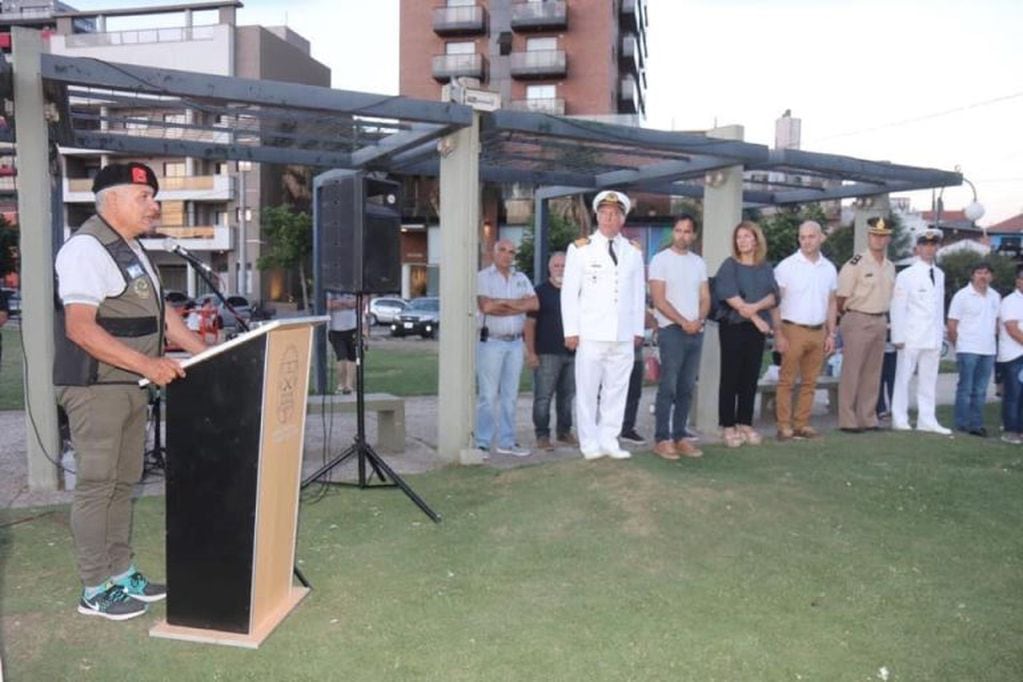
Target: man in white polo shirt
x=504 y=296
x=681 y=298
x=1010 y=354
x=804 y=328
x=972 y=328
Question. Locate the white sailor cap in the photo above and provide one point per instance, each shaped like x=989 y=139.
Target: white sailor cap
x=610 y=196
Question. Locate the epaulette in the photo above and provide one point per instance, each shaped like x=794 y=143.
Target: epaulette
x=636 y=244
x=581 y=242
x=855 y=259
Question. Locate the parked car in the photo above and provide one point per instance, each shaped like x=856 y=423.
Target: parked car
x=176 y=299
x=13 y=301
x=228 y=321
x=422 y=316
x=385 y=310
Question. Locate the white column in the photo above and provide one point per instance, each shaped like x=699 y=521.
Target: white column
x=459 y=230
x=722 y=211
x=36 y=248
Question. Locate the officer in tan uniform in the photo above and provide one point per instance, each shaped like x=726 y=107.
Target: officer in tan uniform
x=864 y=296
x=603 y=306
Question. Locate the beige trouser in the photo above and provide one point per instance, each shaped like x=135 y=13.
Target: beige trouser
x=862 y=357
x=804 y=357
x=108 y=433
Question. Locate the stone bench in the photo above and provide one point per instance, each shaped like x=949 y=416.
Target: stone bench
x=390 y=411
x=768 y=391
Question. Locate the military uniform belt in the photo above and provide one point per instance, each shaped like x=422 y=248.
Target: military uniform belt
x=863 y=312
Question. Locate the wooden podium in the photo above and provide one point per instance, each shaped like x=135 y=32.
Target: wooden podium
x=235 y=426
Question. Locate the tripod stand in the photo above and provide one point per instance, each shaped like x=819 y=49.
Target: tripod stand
x=153 y=460
x=360 y=449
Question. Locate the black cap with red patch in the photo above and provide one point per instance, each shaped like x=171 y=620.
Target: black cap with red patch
x=125 y=174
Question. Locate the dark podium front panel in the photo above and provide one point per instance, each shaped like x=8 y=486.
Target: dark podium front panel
x=213 y=443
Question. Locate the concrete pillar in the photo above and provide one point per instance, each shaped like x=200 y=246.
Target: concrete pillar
x=36 y=218
x=722 y=211
x=459 y=235
x=866 y=208
x=541 y=245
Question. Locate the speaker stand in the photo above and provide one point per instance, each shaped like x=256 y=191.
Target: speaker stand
x=361 y=450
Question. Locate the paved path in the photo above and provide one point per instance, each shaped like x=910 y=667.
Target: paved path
x=325 y=437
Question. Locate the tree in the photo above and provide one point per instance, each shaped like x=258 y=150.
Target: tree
x=560 y=233
x=289 y=243
x=8 y=247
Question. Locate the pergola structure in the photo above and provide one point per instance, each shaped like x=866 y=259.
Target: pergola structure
x=282 y=123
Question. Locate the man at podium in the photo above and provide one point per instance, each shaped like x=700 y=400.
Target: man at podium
x=109 y=334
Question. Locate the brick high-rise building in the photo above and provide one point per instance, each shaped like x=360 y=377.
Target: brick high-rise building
x=566 y=57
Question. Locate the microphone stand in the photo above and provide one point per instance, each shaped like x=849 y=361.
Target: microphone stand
x=207 y=274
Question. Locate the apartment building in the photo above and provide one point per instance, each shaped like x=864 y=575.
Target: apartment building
x=212 y=208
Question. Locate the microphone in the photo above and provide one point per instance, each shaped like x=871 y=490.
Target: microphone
x=171 y=246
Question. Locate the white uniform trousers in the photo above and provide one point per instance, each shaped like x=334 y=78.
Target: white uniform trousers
x=602 y=368
x=925 y=363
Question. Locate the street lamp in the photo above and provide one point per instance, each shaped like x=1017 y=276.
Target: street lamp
x=243 y=266
x=973 y=212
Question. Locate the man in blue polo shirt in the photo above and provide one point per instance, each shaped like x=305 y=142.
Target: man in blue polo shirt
x=552 y=363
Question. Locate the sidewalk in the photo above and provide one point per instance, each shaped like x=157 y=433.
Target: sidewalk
x=327 y=436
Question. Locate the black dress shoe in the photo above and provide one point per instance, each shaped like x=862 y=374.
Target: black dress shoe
x=982 y=432
x=849 y=430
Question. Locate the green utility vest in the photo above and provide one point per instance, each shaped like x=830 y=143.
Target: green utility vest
x=134 y=317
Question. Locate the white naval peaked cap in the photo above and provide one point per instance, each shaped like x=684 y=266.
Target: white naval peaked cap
x=614 y=197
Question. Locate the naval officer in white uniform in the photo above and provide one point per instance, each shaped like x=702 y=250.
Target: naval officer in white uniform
x=602 y=310
x=918 y=324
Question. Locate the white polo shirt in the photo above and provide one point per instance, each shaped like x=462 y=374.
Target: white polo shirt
x=977 y=315
x=807 y=285
x=492 y=284
x=682 y=274
x=1012 y=309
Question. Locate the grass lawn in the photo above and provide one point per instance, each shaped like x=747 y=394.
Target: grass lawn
x=821 y=560
x=11 y=385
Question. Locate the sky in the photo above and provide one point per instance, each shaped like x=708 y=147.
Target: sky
x=934 y=83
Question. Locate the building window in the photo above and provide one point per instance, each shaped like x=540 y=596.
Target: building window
x=541 y=44
x=461 y=3
x=541 y=91
x=174 y=169
x=467 y=47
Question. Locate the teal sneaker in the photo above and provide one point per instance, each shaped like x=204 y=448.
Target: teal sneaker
x=112 y=603
x=138 y=587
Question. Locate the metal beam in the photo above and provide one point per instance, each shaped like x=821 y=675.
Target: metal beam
x=852 y=168
x=668 y=170
x=399 y=142
x=133 y=78
x=128 y=144
x=579 y=129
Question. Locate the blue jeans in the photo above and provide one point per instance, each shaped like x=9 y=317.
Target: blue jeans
x=1012 y=391
x=554 y=376
x=498 y=366
x=971 y=391
x=680 y=361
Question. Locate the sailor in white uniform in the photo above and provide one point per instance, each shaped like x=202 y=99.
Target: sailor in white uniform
x=603 y=300
x=918 y=324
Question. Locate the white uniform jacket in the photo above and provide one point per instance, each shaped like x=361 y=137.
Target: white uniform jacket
x=601 y=301
x=918 y=307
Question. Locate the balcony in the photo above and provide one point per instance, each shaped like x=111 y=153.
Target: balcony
x=630 y=96
x=192 y=237
x=176 y=188
x=632 y=16
x=448 y=66
x=545 y=105
x=539 y=16
x=632 y=53
x=449 y=21
x=538 y=64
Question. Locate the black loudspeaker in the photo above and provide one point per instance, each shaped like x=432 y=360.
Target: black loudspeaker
x=358 y=227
